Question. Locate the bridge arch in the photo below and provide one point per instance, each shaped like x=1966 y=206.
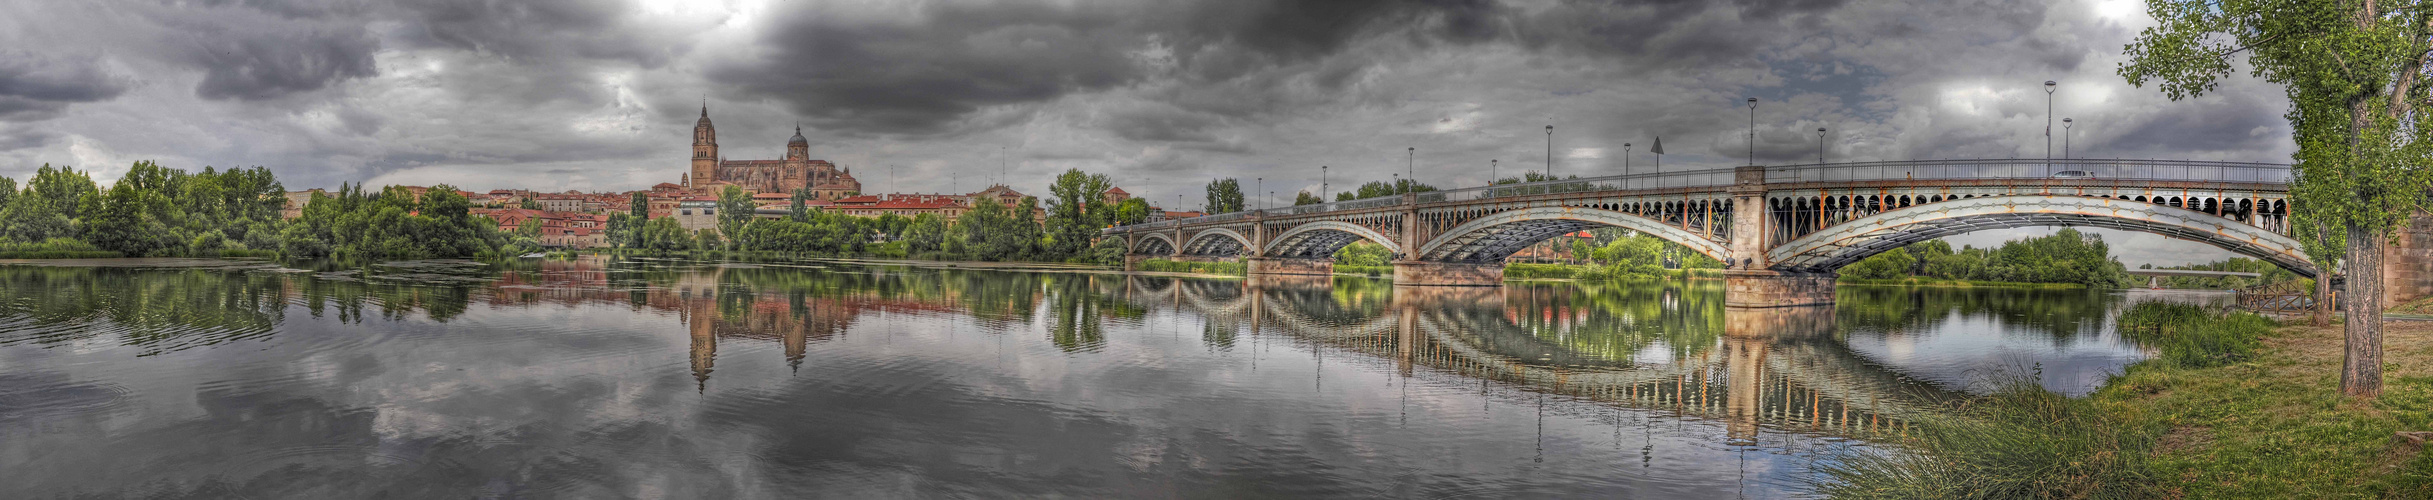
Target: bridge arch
x=1218 y=241
x=1322 y=239
x=1848 y=242
x=1496 y=236
x=1153 y=244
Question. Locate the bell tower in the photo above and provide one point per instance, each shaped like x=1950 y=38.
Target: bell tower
x=705 y=149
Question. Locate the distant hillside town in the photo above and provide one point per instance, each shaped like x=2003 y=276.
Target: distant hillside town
x=576 y=219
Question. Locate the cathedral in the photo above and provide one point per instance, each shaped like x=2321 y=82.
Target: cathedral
x=797 y=171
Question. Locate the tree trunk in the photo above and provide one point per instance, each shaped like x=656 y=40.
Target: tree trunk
x=2361 y=362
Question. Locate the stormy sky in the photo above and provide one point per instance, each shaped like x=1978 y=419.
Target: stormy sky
x=1161 y=95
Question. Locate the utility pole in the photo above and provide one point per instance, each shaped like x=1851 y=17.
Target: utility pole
x=1550 y=152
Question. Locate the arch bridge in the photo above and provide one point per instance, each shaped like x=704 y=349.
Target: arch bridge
x=1783 y=231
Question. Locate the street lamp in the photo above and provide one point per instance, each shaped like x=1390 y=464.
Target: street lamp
x=1752 y=131
x=1493 y=169
x=1409 y=163
x=1549 y=152
x=2048 y=127
x=1262 y=186
x=2065 y=137
x=1625 y=158
x=1820 y=145
x=1321 y=183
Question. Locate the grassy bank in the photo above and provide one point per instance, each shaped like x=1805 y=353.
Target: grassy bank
x=1523 y=271
x=2230 y=406
x=1176 y=266
x=1387 y=271
x=1936 y=282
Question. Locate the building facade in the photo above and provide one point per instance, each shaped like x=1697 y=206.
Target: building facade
x=797 y=170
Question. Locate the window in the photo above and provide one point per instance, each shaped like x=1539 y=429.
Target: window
x=688 y=211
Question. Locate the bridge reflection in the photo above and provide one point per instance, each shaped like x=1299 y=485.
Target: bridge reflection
x=1665 y=347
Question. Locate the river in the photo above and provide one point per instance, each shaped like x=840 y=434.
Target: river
x=648 y=378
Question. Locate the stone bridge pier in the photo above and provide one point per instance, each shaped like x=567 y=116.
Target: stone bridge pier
x=1782 y=232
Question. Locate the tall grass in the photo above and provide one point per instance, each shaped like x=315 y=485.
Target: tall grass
x=2188 y=336
x=2022 y=441
x=1176 y=266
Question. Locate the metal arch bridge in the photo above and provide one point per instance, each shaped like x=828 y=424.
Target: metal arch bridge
x=1764 y=222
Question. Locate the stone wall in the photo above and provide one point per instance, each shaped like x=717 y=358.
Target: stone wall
x=2407 y=264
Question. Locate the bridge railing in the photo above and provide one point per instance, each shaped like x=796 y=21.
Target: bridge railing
x=1652 y=180
x=2101 y=169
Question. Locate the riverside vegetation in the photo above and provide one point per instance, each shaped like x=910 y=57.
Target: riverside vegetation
x=2228 y=407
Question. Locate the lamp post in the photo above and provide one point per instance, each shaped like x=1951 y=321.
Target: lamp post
x=1625 y=158
x=1549 y=152
x=2065 y=138
x=1820 y=145
x=1409 y=162
x=1493 y=169
x=1752 y=131
x=2048 y=127
x=1322 y=184
x=1262 y=187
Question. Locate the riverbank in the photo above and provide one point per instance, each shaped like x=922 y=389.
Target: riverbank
x=2264 y=420
x=1949 y=283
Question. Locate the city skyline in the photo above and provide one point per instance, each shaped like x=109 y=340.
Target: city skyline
x=1160 y=96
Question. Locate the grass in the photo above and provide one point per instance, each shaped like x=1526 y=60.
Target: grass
x=1951 y=283
x=2230 y=407
x=1176 y=266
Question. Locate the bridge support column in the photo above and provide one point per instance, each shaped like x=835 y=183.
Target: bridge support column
x=1289 y=267
x=1763 y=288
x=1770 y=323
x=1425 y=273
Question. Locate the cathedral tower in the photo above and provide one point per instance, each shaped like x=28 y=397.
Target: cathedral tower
x=798 y=149
x=705 y=149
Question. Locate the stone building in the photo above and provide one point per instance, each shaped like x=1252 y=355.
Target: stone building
x=797 y=170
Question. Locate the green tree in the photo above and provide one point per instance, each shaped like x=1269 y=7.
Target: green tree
x=1076 y=213
x=1224 y=196
x=1894 y=264
x=2352 y=71
x=639 y=206
x=1363 y=253
x=1131 y=211
x=734 y=210
x=927 y=233
x=1375 y=189
x=1305 y=198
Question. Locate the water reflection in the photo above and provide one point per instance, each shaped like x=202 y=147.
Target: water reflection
x=669 y=378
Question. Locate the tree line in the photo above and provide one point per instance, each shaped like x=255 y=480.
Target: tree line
x=2066 y=256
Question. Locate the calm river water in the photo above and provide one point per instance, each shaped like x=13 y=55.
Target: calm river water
x=668 y=379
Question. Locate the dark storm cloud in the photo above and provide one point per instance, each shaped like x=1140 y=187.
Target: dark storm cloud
x=917 y=76
x=38 y=87
x=252 y=64
x=534 y=31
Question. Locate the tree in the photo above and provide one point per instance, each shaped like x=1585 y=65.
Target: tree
x=1224 y=196
x=1131 y=211
x=1363 y=253
x=734 y=210
x=1305 y=198
x=529 y=204
x=926 y=234
x=622 y=227
x=1076 y=212
x=1374 y=189
x=2352 y=73
x=639 y=206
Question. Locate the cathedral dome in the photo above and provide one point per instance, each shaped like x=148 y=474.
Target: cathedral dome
x=798 y=137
